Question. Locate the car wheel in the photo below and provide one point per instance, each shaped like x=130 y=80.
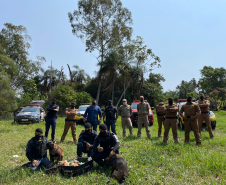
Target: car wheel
x=213 y=125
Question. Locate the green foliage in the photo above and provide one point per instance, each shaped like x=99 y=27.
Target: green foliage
x=149 y=161
x=212 y=78
x=169 y=93
x=64 y=95
x=7 y=96
x=25 y=99
x=30 y=89
x=83 y=97
x=15 y=42
x=193 y=95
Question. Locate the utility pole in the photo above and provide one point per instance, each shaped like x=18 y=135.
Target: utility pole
x=51 y=77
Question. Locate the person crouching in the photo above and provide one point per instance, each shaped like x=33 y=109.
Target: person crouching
x=86 y=140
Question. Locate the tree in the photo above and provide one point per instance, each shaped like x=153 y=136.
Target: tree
x=15 y=42
x=103 y=24
x=83 y=97
x=186 y=87
x=64 y=95
x=7 y=96
x=212 y=78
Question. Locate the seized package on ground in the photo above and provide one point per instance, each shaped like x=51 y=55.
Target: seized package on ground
x=72 y=168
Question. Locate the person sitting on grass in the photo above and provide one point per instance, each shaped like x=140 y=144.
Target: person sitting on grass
x=36 y=151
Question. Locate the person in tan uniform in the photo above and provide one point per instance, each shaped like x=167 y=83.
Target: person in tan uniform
x=160 y=111
x=125 y=111
x=191 y=112
x=143 y=111
x=70 y=122
x=171 y=121
x=204 y=107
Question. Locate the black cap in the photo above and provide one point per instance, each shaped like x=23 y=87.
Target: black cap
x=160 y=100
x=189 y=97
x=39 y=130
x=201 y=94
x=87 y=125
x=110 y=101
x=53 y=99
x=73 y=103
x=103 y=127
x=170 y=98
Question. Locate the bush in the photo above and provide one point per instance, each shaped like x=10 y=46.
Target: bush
x=64 y=95
x=83 y=97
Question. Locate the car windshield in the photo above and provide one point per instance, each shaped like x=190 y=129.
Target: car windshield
x=82 y=108
x=30 y=110
x=134 y=106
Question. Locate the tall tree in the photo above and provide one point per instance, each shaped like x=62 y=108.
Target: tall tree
x=211 y=78
x=15 y=41
x=103 y=24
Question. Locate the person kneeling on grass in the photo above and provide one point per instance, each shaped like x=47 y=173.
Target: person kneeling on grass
x=36 y=151
x=109 y=145
x=86 y=140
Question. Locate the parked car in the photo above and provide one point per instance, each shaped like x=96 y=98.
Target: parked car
x=31 y=114
x=211 y=115
x=81 y=111
x=134 y=117
x=40 y=102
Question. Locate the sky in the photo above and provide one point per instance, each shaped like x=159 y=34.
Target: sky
x=186 y=35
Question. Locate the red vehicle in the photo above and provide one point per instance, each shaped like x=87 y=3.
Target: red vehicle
x=134 y=117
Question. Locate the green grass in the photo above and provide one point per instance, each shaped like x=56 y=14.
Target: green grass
x=149 y=161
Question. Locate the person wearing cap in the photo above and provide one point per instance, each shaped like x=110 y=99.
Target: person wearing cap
x=171 y=120
x=160 y=111
x=70 y=122
x=125 y=111
x=109 y=145
x=91 y=115
x=143 y=111
x=51 y=117
x=36 y=151
x=111 y=114
x=204 y=107
x=191 y=112
x=86 y=140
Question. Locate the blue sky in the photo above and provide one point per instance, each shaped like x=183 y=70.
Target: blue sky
x=186 y=35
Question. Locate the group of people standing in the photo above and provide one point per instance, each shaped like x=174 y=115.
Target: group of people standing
x=193 y=114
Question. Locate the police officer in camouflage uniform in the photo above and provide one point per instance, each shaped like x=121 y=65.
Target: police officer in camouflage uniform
x=86 y=140
x=36 y=151
x=125 y=111
x=51 y=117
x=191 y=112
x=171 y=120
x=143 y=112
x=204 y=106
x=160 y=111
x=109 y=145
x=70 y=122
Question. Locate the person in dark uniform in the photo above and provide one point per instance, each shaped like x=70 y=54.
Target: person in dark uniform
x=51 y=117
x=36 y=151
x=109 y=145
x=111 y=114
x=86 y=140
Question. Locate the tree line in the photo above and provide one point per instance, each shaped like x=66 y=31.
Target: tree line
x=123 y=59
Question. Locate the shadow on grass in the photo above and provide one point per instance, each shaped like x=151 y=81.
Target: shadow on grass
x=129 y=138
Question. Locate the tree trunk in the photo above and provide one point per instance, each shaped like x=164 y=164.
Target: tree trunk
x=124 y=86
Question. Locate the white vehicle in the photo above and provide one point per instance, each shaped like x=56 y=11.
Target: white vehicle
x=81 y=111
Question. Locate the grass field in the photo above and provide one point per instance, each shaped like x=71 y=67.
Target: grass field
x=149 y=161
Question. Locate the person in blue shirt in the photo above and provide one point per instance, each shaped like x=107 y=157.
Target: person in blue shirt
x=51 y=117
x=109 y=145
x=86 y=140
x=111 y=114
x=93 y=111
x=36 y=151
